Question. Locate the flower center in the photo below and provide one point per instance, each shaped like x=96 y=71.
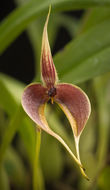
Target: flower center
x=52 y=92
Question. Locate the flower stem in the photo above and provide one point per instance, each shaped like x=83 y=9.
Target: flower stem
x=36 y=185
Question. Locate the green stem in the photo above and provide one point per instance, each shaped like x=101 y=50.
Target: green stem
x=36 y=160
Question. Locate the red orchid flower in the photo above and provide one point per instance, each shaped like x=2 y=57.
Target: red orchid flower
x=71 y=99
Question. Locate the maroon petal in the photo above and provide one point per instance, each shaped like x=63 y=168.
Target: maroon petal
x=48 y=71
x=34 y=97
x=76 y=106
x=33 y=102
x=74 y=102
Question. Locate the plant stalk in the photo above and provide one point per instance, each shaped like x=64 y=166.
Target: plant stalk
x=36 y=169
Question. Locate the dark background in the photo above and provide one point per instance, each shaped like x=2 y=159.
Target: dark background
x=18 y=60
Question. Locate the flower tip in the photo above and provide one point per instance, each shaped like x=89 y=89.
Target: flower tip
x=50 y=7
x=48 y=71
x=88 y=179
x=48 y=14
x=84 y=174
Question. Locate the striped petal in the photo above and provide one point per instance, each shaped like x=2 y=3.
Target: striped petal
x=76 y=106
x=48 y=71
x=33 y=101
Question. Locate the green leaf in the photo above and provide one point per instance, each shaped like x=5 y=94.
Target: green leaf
x=13 y=126
x=101 y=87
x=7 y=102
x=4 y=181
x=103 y=179
x=15 y=168
x=10 y=98
x=87 y=56
x=51 y=158
x=18 y=20
x=95 y=16
x=12 y=86
x=27 y=133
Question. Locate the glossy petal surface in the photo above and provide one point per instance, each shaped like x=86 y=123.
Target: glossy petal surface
x=72 y=100
x=75 y=104
x=34 y=97
x=48 y=71
x=33 y=102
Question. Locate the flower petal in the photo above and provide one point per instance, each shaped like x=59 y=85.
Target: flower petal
x=76 y=106
x=33 y=102
x=33 y=98
x=48 y=71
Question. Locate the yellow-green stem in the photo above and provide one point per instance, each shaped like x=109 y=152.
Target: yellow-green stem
x=36 y=161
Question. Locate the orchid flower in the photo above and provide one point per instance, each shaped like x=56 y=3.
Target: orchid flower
x=71 y=99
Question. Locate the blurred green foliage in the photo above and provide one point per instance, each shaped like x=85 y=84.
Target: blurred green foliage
x=85 y=60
